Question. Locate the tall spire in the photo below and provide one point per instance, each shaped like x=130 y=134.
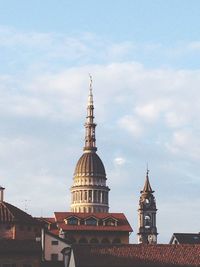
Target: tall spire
x=147 y=187
x=90 y=140
x=89 y=191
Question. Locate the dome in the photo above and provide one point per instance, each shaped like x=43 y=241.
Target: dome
x=90 y=164
x=10 y=213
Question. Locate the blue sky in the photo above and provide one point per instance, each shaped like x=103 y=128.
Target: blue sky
x=144 y=58
x=165 y=21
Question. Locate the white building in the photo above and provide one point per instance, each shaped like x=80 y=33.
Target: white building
x=52 y=245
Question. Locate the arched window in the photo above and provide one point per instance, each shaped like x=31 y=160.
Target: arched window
x=94 y=241
x=105 y=241
x=116 y=241
x=147 y=221
x=83 y=240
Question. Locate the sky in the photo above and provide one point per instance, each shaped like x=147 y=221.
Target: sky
x=144 y=59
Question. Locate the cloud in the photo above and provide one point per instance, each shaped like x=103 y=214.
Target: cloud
x=176 y=119
x=119 y=161
x=131 y=124
x=185 y=143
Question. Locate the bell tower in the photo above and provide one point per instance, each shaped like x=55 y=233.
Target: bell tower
x=147 y=233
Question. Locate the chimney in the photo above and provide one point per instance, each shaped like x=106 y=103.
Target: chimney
x=1 y=193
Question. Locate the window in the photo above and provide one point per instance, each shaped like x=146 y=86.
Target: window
x=54 y=242
x=91 y=221
x=54 y=257
x=147 y=221
x=72 y=221
x=110 y=222
x=90 y=195
x=85 y=195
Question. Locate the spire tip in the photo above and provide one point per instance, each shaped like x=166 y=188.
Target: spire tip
x=147 y=170
x=90 y=97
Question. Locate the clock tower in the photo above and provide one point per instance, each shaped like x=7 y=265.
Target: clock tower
x=147 y=233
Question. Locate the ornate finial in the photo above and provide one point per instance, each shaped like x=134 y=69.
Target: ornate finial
x=90 y=81
x=90 y=97
x=148 y=169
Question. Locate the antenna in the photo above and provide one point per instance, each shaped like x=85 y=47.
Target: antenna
x=26 y=203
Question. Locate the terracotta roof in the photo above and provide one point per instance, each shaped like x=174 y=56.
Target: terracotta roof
x=10 y=213
x=136 y=255
x=90 y=164
x=46 y=220
x=19 y=246
x=49 y=220
x=54 y=232
x=187 y=238
x=122 y=225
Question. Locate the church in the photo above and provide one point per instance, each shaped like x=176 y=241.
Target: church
x=89 y=220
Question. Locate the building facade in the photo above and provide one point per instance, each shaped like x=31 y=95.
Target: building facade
x=147 y=215
x=93 y=228
x=52 y=245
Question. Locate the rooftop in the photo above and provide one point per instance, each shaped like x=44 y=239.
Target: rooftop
x=10 y=213
x=186 y=238
x=136 y=255
x=122 y=222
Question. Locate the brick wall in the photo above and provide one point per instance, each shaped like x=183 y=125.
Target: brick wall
x=27 y=232
x=20 y=232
